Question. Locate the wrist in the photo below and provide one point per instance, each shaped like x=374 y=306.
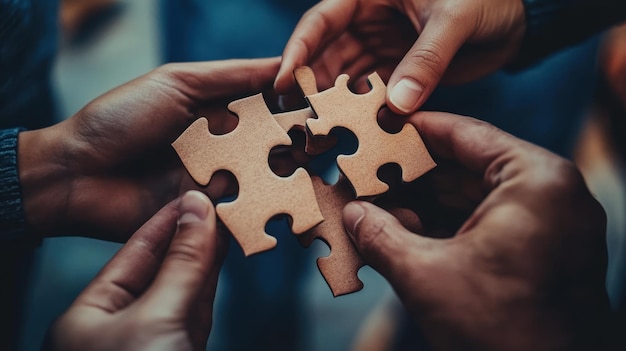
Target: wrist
x=45 y=181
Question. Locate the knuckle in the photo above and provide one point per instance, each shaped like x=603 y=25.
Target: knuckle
x=470 y=133
x=372 y=232
x=167 y=69
x=174 y=76
x=564 y=186
x=319 y=18
x=557 y=174
x=450 y=12
x=427 y=59
x=188 y=252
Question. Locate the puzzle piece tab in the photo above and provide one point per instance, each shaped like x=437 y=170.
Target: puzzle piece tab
x=339 y=107
x=297 y=120
x=244 y=152
x=340 y=269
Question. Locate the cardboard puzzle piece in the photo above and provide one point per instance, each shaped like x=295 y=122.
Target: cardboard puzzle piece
x=297 y=120
x=244 y=152
x=340 y=269
x=339 y=107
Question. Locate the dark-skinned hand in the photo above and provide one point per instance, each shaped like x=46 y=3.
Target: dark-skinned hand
x=519 y=258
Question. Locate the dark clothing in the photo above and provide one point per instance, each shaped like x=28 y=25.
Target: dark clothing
x=28 y=42
x=552 y=25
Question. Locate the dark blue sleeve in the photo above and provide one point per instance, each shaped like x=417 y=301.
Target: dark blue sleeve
x=552 y=25
x=28 y=43
x=11 y=209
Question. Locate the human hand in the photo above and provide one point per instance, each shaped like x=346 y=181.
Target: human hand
x=110 y=167
x=526 y=267
x=157 y=292
x=412 y=43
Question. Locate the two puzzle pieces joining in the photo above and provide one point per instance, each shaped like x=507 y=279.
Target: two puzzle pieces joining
x=315 y=208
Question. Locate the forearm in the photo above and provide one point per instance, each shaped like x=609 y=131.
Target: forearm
x=555 y=24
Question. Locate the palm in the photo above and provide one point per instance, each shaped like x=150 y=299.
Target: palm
x=376 y=40
x=119 y=145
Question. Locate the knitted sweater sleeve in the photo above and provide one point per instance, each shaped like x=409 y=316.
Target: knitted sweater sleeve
x=12 y=221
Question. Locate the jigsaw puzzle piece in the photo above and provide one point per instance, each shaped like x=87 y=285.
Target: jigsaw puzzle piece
x=339 y=107
x=297 y=120
x=244 y=152
x=406 y=149
x=293 y=196
x=340 y=268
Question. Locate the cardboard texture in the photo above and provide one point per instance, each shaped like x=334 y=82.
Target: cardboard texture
x=315 y=207
x=340 y=268
x=297 y=120
x=339 y=107
x=244 y=152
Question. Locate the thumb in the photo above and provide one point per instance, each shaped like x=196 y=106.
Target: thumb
x=384 y=244
x=421 y=69
x=190 y=260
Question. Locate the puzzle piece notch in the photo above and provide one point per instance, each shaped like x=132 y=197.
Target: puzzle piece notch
x=244 y=152
x=297 y=120
x=340 y=268
x=339 y=107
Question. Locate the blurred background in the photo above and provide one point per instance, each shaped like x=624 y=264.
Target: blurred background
x=573 y=103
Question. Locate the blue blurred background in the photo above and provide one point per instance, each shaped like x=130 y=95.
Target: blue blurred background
x=278 y=300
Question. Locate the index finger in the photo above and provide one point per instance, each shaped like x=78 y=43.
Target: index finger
x=321 y=23
x=475 y=144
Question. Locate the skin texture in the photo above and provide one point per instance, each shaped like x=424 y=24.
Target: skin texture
x=157 y=292
x=106 y=170
x=519 y=261
x=423 y=41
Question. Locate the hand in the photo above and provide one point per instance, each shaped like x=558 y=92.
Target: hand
x=526 y=267
x=107 y=169
x=157 y=292
x=409 y=42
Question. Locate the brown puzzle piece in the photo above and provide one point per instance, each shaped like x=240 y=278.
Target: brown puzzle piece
x=339 y=107
x=297 y=120
x=244 y=152
x=340 y=268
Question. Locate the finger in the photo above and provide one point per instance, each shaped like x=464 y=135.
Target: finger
x=322 y=23
x=211 y=80
x=130 y=271
x=382 y=241
x=205 y=306
x=475 y=144
x=151 y=111
x=422 y=67
x=189 y=261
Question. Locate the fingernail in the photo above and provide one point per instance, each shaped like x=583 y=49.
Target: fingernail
x=405 y=94
x=194 y=207
x=353 y=213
